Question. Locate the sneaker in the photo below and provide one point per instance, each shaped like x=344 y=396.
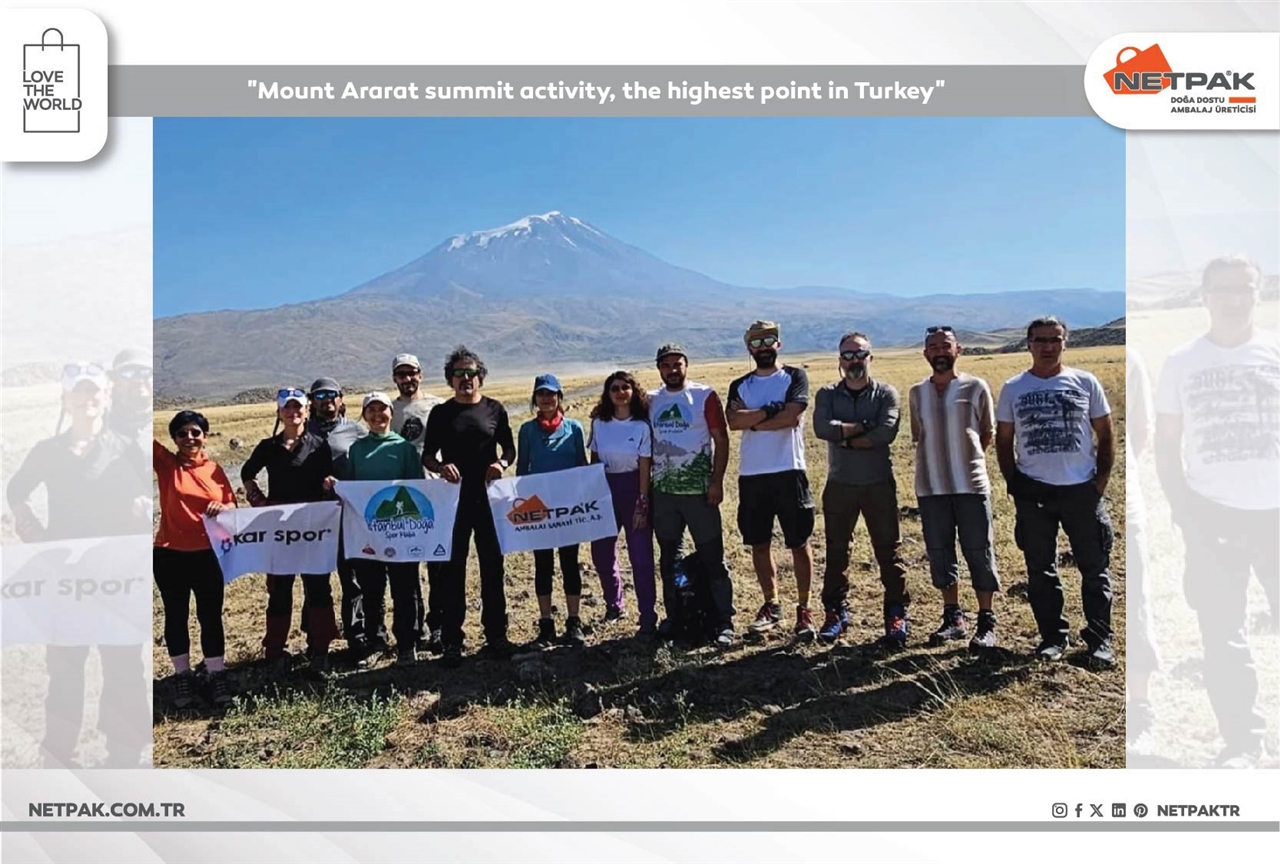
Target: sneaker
x=1101 y=656
x=452 y=656
x=407 y=656
x=769 y=616
x=952 y=629
x=423 y=645
x=184 y=690
x=836 y=622
x=546 y=633
x=667 y=629
x=435 y=642
x=805 y=630
x=895 y=629
x=614 y=613
x=984 y=638
x=724 y=639
x=219 y=689
x=573 y=634
x=1051 y=652
x=647 y=632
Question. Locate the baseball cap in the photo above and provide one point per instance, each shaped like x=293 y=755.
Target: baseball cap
x=285 y=395
x=74 y=373
x=132 y=357
x=375 y=396
x=547 y=382
x=406 y=360
x=325 y=384
x=669 y=349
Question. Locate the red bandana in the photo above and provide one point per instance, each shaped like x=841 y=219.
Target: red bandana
x=550 y=426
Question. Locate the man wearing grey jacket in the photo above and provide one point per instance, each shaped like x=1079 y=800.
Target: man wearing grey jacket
x=858 y=417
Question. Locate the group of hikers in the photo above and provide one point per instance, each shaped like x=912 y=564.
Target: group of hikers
x=665 y=454
x=1215 y=417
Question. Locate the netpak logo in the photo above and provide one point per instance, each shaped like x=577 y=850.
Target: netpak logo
x=531 y=512
x=1148 y=73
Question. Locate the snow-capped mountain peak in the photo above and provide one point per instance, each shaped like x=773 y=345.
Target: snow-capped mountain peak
x=528 y=226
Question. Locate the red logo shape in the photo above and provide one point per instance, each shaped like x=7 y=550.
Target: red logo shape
x=1143 y=73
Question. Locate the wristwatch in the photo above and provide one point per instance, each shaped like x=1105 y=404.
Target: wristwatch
x=504 y=463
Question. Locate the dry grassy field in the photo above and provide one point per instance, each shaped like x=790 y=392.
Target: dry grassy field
x=616 y=704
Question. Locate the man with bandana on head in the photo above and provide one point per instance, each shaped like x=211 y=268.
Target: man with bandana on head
x=329 y=421
x=766 y=406
x=858 y=418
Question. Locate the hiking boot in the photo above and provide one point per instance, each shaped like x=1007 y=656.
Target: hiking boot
x=320 y=663
x=219 y=689
x=546 y=633
x=805 y=630
x=836 y=622
x=1051 y=651
x=500 y=646
x=895 y=629
x=952 y=629
x=647 y=632
x=769 y=616
x=573 y=634
x=724 y=639
x=435 y=642
x=407 y=656
x=452 y=656
x=667 y=630
x=1101 y=656
x=184 y=690
x=984 y=638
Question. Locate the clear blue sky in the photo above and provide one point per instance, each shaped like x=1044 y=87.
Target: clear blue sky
x=252 y=213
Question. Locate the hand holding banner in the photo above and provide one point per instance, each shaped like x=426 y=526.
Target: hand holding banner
x=285 y=538
x=398 y=520
x=547 y=511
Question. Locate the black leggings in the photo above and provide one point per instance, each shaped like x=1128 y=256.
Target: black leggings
x=178 y=575
x=544 y=568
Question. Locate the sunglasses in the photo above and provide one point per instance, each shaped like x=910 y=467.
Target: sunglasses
x=466 y=373
x=409 y=373
x=939 y=328
x=859 y=354
x=325 y=395
x=193 y=434
x=135 y=372
x=763 y=341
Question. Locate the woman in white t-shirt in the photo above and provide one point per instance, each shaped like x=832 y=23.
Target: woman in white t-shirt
x=622 y=441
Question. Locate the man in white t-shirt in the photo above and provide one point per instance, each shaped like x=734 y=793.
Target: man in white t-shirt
x=1046 y=421
x=766 y=406
x=1217 y=455
x=409 y=415
x=1141 y=657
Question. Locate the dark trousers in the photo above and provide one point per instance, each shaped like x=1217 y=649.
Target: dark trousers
x=179 y=575
x=1082 y=514
x=671 y=515
x=1223 y=545
x=877 y=503
x=317 y=613
x=544 y=570
x=1141 y=656
x=123 y=714
x=433 y=614
x=474 y=517
x=374 y=577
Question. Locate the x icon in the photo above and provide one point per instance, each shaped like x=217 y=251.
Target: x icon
x=1097 y=810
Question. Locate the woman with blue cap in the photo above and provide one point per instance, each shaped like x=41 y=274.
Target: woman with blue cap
x=553 y=442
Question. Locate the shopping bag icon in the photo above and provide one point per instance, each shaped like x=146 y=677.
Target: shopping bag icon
x=1139 y=73
x=51 y=85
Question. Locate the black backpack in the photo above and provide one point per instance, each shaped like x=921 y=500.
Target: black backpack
x=695 y=619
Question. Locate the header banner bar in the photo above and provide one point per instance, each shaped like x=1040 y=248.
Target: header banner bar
x=597 y=91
